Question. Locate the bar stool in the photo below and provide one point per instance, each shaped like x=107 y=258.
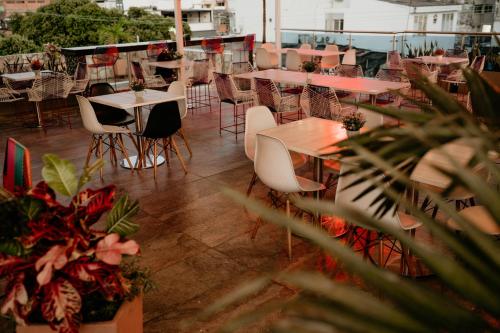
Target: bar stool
x=198 y=85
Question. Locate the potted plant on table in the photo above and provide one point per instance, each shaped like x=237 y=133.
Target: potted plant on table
x=439 y=54
x=309 y=67
x=353 y=122
x=36 y=65
x=138 y=87
x=59 y=269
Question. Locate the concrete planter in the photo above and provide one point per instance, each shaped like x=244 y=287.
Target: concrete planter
x=128 y=319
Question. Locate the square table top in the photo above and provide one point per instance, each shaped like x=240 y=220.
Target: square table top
x=444 y=61
x=314 y=53
x=361 y=85
x=127 y=99
x=22 y=76
x=315 y=137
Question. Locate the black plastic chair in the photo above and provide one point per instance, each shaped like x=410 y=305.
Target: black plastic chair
x=163 y=122
x=108 y=115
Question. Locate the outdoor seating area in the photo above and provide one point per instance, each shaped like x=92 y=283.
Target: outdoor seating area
x=287 y=184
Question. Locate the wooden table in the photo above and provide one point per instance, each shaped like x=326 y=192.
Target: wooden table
x=362 y=85
x=444 y=61
x=127 y=100
x=23 y=76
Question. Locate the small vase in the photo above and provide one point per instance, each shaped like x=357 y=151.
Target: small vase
x=351 y=134
x=37 y=73
x=139 y=94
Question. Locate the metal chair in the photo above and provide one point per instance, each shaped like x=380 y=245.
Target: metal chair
x=80 y=79
x=393 y=59
x=16 y=167
x=102 y=135
x=322 y=102
x=105 y=57
x=228 y=92
x=198 y=85
x=415 y=69
x=152 y=82
x=274 y=167
x=351 y=71
x=8 y=96
x=393 y=75
x=163 y=123
x=269 y=95
x=241 y=68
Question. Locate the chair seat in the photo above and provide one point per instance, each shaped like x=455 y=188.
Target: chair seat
x=408 y=222
x=308 y=185
x=128 y=120
x=110 y=129
x=479 y=217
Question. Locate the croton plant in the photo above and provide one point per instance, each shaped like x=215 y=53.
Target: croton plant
x=51 y=254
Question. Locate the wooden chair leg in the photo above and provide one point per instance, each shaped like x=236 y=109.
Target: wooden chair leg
x=89 y=153
x=155 y=158
x=288 y=231
x=166 y=150
x=177 y=152
x=100 y=152
x=125 y=153
x=252 y=183
x=112 y=150
x=183 y=136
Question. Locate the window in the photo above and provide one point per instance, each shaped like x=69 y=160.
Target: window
x=447 y=22
x=420 y=22
x=478 y=9
x=487 y=9
x=334 y=22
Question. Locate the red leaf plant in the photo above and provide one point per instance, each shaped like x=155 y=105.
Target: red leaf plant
x=61 y=258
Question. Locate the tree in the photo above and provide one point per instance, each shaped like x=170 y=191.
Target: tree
x=17 y=44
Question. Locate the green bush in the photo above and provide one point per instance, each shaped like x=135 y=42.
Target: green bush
x=17 y=44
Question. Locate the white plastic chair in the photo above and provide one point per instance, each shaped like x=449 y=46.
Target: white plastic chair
x=257 y=119
x=349 y=57
x=274 y=167
x=266 y=59
x=100 y=133
x=293 y=61
x=177 y=88
x=345 y=197
x=305 y=46
x=329 y=63
x=268 y=46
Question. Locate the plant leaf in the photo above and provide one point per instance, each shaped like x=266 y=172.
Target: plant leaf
x=60 y=175
x=120 y=218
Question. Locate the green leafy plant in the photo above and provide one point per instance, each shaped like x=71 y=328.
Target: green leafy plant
x=469 y=270
x=354 y=121
x=420 y=51
x=309 y=66
x=137 y=85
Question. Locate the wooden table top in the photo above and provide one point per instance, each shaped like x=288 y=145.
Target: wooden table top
x=312 y=136
x=23 y=76
x=128 y=100
x=361 y=85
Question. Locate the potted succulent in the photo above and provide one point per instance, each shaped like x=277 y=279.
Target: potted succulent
x=138 y=87
x=353 y=122
x=36 y=65
x=439 y=54
x=309 y=67
x=60 y=271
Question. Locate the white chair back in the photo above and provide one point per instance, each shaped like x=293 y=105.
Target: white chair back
x=89 y=118
x=293 y=61
x=264 y=59
x=349 y=57
x=177 y=88
x=273 y=165
x=305 y=46
x=268 y=46
x=331 y=61
x=258 y=118
x=373 y=119
x=344 y=197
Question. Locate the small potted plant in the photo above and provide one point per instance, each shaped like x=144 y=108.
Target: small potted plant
x=309 y=67
x=36 y=66
x=138 y=87
x=62 y=273
x=353 y=122
x=439 y=54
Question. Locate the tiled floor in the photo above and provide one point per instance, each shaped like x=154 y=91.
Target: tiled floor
x=194 y=239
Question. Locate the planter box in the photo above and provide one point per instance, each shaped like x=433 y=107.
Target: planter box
x=128 y=319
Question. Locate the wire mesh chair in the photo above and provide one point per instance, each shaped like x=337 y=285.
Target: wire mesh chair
x=394 y=59
x=151 y=81
x=456 y=53
x=393 y=75
x=246 y=51
x=199 y=78
x=81 y=79
x=269 y=95
x=241 y=68
x=352 y=71
x=322 y=102
x=456 y=79
x=105 y=57
x=51 y=86
x=229 y=93
x=7 y=95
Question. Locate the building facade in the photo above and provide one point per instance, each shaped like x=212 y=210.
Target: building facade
x=21 y=6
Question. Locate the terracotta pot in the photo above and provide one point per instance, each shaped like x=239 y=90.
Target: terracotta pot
x=128 y=319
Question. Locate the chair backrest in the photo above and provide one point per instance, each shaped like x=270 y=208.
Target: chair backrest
x=293 y=61
x=349 y=70
x=224 y=86
x=320 y=102
x=178 y=88
x=305 y=46
x=267 y=94
x=263 y=59
x=212 y=45
x=346 y=197
x=89 y=118
x=6 y=95
x=393 y=59
x=154 y=50
x=457 y=53
x=415 y=68
x=257 y=118
x=137 y=70
x=16 y=167
x=81 y=72
x=249 y=42
x=349 y=57
x=268 y=46
x=331 y=60
x=200 y=70
x=273 y=165
x=105 y=55
x=240 y=68
x=101 y=88
x=50 y=86
x=164 y=121
x=393 y=75
x=478 y=64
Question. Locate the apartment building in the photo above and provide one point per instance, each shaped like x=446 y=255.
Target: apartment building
x=20 y=6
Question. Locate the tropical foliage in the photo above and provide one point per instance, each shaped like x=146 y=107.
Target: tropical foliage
x=70 y=23
x=52 y=258
x=467 y=268
x=16 y=44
